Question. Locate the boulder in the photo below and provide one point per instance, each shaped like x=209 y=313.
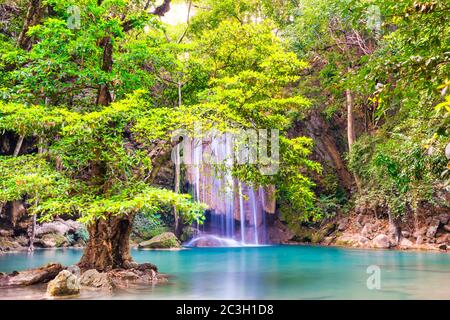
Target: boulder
x=348 y=240
x=188 y=232
x=94 y=279
x=406 y=234
x=406 y=244
x=53 y=240
x=55 y=227
x=75 y=270
x=279 y=233
x=6 y=233
x=381 y=241
x=433 y=227
x=32 y=276
x=447 y=227
x=65 y=284
x=165 y=240
x=7 y=244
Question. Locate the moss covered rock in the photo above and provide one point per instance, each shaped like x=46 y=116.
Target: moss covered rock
x=165 y=240
x=53 y=240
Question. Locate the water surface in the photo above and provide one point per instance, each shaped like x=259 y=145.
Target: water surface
x=271 y=272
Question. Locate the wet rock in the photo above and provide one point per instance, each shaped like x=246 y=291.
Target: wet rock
x=94 y=279
x=32 y=276
x=165 y=240
x=381 y=241
x=432 y=228
x=64 y=284
x=188 y=233
x=443 y=247
x=279 y=233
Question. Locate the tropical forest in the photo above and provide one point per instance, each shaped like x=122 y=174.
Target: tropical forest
x=224 y=149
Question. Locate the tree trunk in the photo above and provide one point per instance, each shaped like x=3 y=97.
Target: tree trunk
x=350 y=120
x=32 y=18
x=104 y=95
x=18 y=146
x=108 y=245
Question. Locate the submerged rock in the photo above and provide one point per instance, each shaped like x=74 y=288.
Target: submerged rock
x=32 y=276
x=65 y=284
x=165 y=240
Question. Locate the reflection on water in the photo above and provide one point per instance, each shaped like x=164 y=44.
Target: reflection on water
x=273 y=272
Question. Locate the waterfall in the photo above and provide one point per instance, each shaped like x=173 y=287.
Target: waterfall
x=236 y=214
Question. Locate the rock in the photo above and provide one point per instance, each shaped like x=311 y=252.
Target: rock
x=447 y=227
x=53 y=240
x=444 y=218
x=432 y=228
x=443 y=238
x=327 y=241
x=65 y=284
x=420 y=232
x=361 y=220
x=381 y=241
x=165 y=240
x=32 y=276
x=405 y=243
x=9 y=245
x=55 y=227
x=419 y=240
x=94 y=279
x=75 y=270
x=348 y=240
x=363 y=241
x=188 y=233
x=279 y=233
x=406 y=234
x=443 y=247
x=367 y=230
x=342 y=224
x=6 y=233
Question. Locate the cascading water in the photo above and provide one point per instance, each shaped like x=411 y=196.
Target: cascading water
x=236 y=214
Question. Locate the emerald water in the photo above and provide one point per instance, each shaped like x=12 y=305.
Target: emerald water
x=270 y=272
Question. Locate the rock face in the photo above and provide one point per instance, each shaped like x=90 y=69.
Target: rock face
x=32 y=276
x=165 y=240
x=381 y=241
x=65 y=284
x=279 y=233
